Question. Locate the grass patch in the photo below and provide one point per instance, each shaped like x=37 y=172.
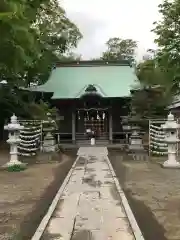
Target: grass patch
x=16 y=168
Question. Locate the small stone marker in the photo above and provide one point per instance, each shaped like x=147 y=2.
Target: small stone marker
x=136 y=141
x=92 y=141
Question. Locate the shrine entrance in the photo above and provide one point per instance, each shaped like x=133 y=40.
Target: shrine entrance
x=94 y=119
x=92 y=114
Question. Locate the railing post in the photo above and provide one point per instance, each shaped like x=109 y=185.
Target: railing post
x=73 y=127
x=110 y=127
x=149 y=140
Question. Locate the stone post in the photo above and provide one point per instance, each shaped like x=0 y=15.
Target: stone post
x=171 y=139
x=14 y=131
x=93 y=141
x=73 y=127
x=110 y=127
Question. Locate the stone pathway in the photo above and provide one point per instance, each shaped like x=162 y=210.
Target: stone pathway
x=90 y=207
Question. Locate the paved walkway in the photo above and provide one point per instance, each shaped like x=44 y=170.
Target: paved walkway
x=90 y=207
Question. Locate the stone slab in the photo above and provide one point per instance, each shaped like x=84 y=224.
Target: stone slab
x=171 y=166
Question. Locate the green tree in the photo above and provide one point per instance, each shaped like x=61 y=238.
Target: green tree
x=33 y=33
x=168 y=40
x=119 y=49
x=33 y=36
x=56 y=35
x=150 y=73
x=17 y=42
x=71 y=56
x=150 y=102
x=159 y=77
x=153 y=91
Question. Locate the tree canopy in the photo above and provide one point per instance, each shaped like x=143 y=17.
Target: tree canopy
x=152 y=94
x=34 y=35
x=164 y=68
x=119 y=49
x=168 y=40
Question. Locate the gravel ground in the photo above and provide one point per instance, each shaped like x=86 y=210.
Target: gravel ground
x=25 y=196
x=153 y=194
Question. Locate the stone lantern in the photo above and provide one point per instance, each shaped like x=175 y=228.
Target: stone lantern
x=49 y=143
x=14 y=131
x=135 y=143
x=135 y=139
x=171 y=127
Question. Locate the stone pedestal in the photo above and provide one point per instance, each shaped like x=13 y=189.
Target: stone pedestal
x=49 y=144
x=171 y=139
x=13 y=153
x=171 y=164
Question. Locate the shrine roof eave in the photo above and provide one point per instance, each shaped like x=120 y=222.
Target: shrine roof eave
x=173 y=106
x=39 y=89
x=70 y=80
x=112 y=98
x=91 y=63
x=79 y=96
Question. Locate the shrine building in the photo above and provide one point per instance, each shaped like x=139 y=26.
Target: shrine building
x=90 y=95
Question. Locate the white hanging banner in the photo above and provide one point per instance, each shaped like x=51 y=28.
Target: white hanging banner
x=30 y=138
x=157 y=144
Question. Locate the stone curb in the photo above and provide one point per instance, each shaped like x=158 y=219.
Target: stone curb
x=135 y=228
x=42 y=226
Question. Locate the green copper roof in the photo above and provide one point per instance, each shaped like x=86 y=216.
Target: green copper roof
x=71 y=81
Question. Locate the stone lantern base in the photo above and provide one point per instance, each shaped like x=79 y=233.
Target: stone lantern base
x=169 y=164
x=11 y=164
x=13 y=161
x=49 y=144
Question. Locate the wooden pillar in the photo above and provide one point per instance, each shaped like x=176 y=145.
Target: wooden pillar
x=73 y=127
x=110 y=127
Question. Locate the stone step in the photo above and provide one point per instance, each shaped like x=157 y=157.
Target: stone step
x=139 y=157
x=97 y=139
x=88 y=142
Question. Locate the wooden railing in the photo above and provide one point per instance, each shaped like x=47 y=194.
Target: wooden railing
x=118 y=137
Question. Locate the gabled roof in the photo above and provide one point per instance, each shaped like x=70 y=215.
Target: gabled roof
x=97 y=91
x=70 y=79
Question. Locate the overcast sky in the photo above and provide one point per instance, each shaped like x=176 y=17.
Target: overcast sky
x=98 y=20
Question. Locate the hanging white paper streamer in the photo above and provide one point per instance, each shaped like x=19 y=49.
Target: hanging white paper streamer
x=30 y=138
x=157 y=140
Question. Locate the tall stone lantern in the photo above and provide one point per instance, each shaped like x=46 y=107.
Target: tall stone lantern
x=14 y=131
x=171 y=127
x=135 y=138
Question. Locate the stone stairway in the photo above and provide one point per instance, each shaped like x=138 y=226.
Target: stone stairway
x=81 y=140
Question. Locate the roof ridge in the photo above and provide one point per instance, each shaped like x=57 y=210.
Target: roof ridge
x=93 y=63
